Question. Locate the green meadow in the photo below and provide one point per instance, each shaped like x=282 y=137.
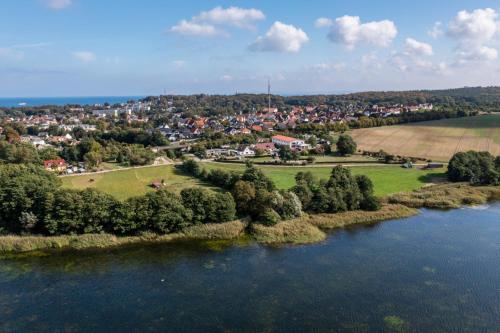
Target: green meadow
x=133 y=182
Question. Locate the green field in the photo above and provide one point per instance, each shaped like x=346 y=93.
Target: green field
x=386 y=179
x=437 y=140
x=133 y=182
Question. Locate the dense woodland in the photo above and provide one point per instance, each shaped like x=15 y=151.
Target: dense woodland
x=467 y=99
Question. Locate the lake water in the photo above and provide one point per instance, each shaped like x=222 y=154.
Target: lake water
x=39 y=101
x=436 y=272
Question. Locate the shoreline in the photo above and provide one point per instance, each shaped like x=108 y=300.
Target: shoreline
x=307 y=229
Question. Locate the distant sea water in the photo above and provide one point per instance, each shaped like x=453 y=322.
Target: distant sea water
x=38 y=101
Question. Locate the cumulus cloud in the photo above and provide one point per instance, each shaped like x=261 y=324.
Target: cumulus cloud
x=205 y=24
x=349 y=30
x=235 y=16
x=436 y=31
x=58 y=4
x=323 y=22
x=84 y=56
x=281 y=38
x=190 y=28
x=473 y=31
x=416 y=48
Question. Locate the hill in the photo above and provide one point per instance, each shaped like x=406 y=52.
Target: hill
x=437 y=140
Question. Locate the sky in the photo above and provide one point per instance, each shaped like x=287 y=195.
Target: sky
x=151 y=47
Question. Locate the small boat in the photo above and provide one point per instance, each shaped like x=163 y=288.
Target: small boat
x=22 y=104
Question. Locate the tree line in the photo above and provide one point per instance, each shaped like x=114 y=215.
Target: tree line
x=32 y=201
x=256 y=195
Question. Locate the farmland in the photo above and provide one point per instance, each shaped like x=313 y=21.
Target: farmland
x=133 y=182
x=436 y=140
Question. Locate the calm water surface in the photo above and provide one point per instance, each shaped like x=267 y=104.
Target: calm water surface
x=437 y=272
x=39 y=101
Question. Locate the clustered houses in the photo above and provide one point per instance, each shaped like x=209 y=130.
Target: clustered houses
x=179 y=127
x=271 y=119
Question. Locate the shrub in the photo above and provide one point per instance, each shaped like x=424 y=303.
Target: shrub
x=269 y=217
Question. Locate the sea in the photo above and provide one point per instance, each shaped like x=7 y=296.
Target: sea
x=88 y=100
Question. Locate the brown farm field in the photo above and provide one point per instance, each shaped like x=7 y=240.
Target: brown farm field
x=436 y=140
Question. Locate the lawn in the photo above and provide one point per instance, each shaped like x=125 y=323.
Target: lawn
x=386 y=179
x=437 y=140
x=132 y=182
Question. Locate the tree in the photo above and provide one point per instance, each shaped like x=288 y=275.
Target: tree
x=286 y=154
x=258 y=179
x=346 y=145
x=243 y=193
x=478 y=168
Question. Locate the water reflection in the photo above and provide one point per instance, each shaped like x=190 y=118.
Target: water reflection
x=437 y=272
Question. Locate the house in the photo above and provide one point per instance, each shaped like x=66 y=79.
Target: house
x=55 y=165
x=266 y=147
x=157 y=184
x=246 y=151
x=293 y=143
x=256 y=128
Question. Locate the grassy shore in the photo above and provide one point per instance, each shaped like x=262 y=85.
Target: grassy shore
x=14 y=243
x=303 y=230
x=446 y=196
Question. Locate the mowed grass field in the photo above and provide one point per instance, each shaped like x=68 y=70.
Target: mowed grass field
x=124 y=184
x=386 y=179
x=436 y=140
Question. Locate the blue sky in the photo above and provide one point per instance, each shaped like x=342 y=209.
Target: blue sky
x=95 y=47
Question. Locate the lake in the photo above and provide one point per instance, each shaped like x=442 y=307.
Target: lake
x=436 y=272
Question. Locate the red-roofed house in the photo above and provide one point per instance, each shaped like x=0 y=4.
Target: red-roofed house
x=293 y=143
x=55 y=165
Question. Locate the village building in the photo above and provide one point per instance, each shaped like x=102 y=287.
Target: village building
x=292 y=143
x=58 y=165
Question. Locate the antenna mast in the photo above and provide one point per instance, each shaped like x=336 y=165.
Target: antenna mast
x=269 y=95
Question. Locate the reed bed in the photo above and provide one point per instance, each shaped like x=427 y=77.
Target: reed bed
x=446 y=196
x=292 y=231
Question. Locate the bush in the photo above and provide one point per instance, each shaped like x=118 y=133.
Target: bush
x=269 y=217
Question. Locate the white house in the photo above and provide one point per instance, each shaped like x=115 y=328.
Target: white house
x=293 y=143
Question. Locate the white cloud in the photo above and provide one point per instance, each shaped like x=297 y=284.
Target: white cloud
x=482 y=53
x=205 y=24
x=349 y=30
x=416 y=48
x=477 y=26
x=58 y=4
x=436 y=31
x=323 y=22
x=84 y=56
x=281 y=38
x=195 y=29
x=235 y=16
x=473 y=31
